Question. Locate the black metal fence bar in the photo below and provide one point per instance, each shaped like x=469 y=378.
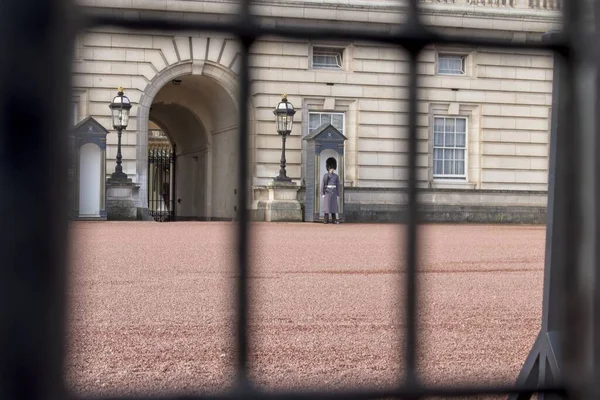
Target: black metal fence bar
x=35 y=74
x=247 y=38
x=576 y=332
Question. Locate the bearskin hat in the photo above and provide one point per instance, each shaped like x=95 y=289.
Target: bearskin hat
x=331 y=163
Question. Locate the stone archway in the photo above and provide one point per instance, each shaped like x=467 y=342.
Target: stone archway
x=206 y=95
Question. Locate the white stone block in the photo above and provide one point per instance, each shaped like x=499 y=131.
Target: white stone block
x=501 y=149
x=379 y=92
x=155 y=57
x=501 y=97
x=230 y=51
x=166 y=46
x=362 y=78
x=131 y=41
x=346 y=91
x=134 y=55
x=536 y=150
x=124 y=68
x=541 y=87
x=108 y=81
x=498 y=176
x=540 y=137
x=284 y=62
x=366 y=53
x=215 y=47
x=199 y=46
x=267 y=47
x=529 y=98
x=490 y=162
x=531 y=176
x=183 y=44
x=365 y=158
x=497 y=72
x=516 y=60
x=534 y=124
x=97 y=39
x=109 y=54
x=531 y=74
x=539 y=163
x=498 y=123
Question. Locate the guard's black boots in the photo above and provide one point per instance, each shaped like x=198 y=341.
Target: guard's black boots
x=326 y=219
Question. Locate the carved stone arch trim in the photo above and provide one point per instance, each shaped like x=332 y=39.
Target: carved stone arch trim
x=226 y=78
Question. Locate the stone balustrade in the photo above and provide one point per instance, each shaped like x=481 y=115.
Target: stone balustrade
x=551 y=5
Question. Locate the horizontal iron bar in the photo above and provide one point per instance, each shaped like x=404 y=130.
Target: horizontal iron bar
x=403 y=37
x=362 y=394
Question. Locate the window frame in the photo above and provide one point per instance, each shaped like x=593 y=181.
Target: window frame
x=321 y=112
x=332 y=48
x=447 y=177
x=465 y=59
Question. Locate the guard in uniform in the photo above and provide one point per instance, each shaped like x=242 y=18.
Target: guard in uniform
x=330 y=190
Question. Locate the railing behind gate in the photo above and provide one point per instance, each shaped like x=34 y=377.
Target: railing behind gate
x=161 y=180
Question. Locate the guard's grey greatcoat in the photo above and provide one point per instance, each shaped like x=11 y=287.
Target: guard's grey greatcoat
x=330 y=187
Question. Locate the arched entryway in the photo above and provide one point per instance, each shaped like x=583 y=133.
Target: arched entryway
x=197 y=115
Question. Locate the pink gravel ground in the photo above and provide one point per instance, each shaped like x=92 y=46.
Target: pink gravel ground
x=151 y=305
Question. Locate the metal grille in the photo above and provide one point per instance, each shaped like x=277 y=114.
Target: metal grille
x=161 y=180
x=36 y=43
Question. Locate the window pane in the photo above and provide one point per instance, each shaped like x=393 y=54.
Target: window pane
x=448 y=167
x=459 y=154
x=314 y=121
x=438 y=167
x=459 y=167
x=438 y=139
x=460 y=140
x=438 y=154
x=448 y=155
x=450 y=64
x=338 y=121
x=325 y=119
x=449 y=139
x=461 y=125
x=450 y=124
x=438 y=124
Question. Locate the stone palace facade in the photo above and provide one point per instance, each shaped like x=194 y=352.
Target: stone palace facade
x=483 y=113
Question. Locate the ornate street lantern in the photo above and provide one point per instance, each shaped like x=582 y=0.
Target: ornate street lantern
x=120 y=107
x=284 y=119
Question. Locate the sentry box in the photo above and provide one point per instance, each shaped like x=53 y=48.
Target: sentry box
x=322 y=144
x=89 y=171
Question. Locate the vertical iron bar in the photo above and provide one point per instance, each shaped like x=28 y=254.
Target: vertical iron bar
x=35 y=78
x=411 y=227
x=574 y=179
x=242 y=283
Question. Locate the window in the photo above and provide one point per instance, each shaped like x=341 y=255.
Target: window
x=316 y=119
x=327 y=57
x=449 y=147
x=451 y=64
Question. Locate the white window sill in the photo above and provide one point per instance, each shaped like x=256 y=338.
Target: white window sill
x=451 y=184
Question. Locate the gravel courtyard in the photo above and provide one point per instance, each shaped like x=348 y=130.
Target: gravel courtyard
x=151 y=305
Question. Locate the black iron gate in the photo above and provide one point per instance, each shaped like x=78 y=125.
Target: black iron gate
x=161 y=182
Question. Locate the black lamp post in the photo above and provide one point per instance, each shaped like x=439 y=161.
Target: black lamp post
x=120 y=107
x=284 y=113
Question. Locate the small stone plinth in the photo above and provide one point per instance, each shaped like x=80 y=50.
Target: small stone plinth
x=283 y=204
x=122 y=200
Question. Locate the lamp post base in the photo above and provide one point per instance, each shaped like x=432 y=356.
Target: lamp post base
x=118 y=178
x=282 y=178
x=283 y=204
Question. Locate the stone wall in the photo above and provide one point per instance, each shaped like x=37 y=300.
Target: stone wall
x=505 y=96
